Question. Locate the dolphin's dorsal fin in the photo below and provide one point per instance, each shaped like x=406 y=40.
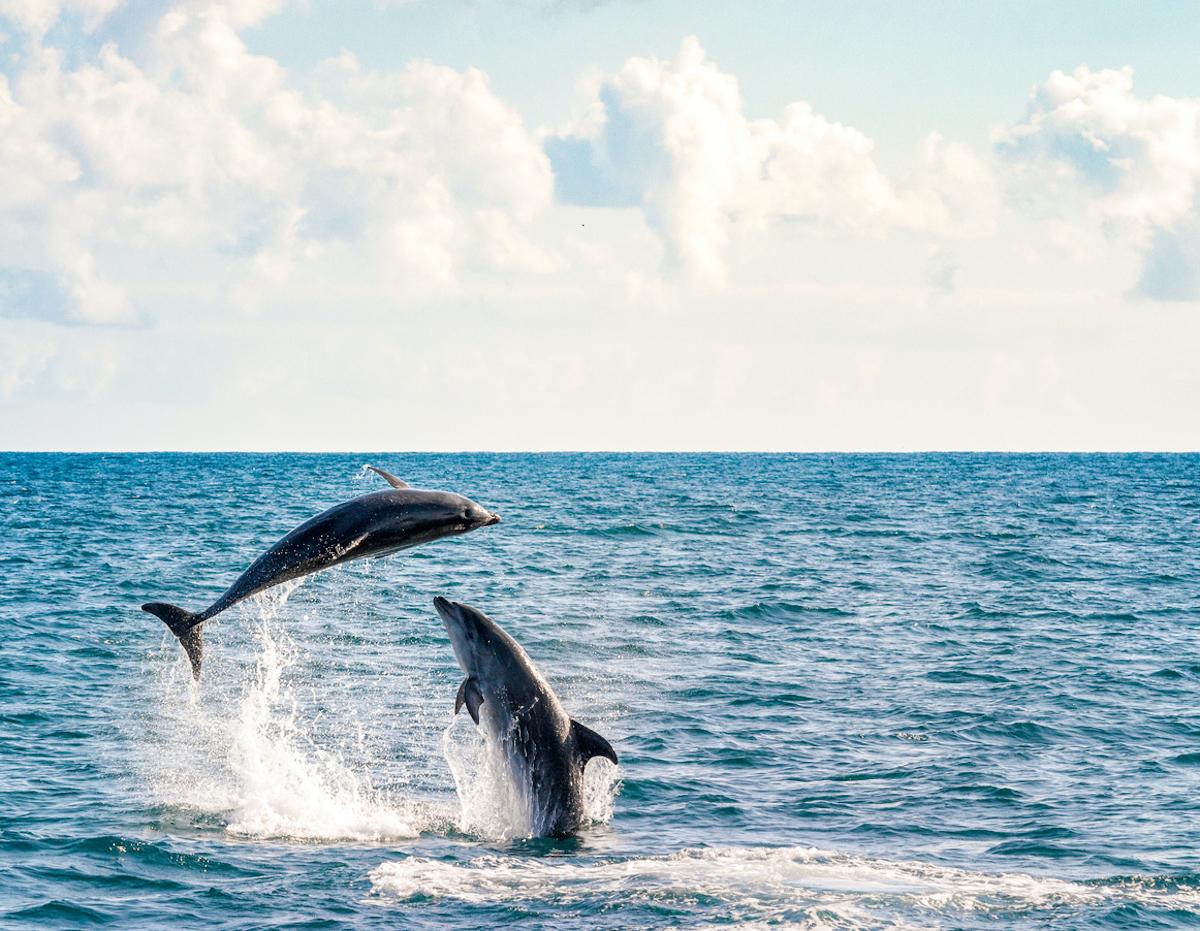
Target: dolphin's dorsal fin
x=388 y=477
x=469 y=695
x=590 y=744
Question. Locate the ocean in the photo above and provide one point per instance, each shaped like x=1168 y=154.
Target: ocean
x=847 y=691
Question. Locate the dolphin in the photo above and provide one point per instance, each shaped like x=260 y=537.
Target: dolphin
x=370 y=525
x=541 y=749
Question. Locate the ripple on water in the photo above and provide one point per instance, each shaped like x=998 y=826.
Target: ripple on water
x=905 y=691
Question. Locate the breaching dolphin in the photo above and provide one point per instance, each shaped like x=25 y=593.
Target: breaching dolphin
x=370 y=525
x=541 y=749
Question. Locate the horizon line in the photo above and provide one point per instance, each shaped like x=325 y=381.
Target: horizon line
x=600 y=452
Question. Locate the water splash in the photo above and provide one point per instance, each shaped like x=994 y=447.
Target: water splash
x=601 y=786
x=251 y=747
x=489 y=804
x=239 y=744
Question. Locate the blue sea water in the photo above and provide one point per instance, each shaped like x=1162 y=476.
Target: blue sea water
x=847 y=691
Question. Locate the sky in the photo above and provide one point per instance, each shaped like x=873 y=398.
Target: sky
x=599 y=224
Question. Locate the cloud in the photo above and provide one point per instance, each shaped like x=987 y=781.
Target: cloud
x=1171 y=266
x=35 y=17
x=672 y=138
x=24 y=361
x=78 y=295
x=29 y=293
x=36 y=366
x=941 y=272
x=1090 y=150
x=203 y=162
x=176 y=159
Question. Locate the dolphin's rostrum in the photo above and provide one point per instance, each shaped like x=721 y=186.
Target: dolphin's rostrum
x=370 y=525
x=542 y=749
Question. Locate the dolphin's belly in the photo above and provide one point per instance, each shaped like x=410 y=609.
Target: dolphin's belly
x=385 y=548
x=557 y=800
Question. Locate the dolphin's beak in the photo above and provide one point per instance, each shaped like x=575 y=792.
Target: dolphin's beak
x=493 y=518
x=449 y=612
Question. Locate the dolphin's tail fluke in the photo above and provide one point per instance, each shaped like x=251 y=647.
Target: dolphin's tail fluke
x=185 y=626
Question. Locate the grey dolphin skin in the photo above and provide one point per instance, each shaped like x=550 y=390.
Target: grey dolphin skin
x=542 y=748
x=370 y=525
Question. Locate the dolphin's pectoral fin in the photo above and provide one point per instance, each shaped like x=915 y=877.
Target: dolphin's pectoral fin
x=469 y=695
x=590 y=744
x=388 y=477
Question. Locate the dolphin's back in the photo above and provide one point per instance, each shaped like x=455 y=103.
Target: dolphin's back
x=329 y=538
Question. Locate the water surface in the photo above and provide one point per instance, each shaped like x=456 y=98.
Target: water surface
x=848 y=691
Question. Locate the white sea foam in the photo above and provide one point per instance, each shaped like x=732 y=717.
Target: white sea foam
x=804 y=886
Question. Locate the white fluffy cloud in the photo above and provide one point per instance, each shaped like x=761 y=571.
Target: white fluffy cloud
x=202 y=156
x=35 y=17
x=1090 y=149
x=672 y=138
x=185 y=161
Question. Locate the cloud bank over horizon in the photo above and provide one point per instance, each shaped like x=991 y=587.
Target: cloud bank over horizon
x=159 y=171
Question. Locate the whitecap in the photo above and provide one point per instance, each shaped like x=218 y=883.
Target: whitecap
x=799 y=885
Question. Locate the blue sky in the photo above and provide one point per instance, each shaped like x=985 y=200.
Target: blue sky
x=897 y=69
x=544 y=224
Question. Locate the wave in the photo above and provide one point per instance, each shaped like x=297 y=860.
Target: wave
x=618 y=531
x=809 y=886
x=783 y=610
x=59 y=912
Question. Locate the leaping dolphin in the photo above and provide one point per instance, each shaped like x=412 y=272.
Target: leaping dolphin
x=542 y=750
x=370 y=525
